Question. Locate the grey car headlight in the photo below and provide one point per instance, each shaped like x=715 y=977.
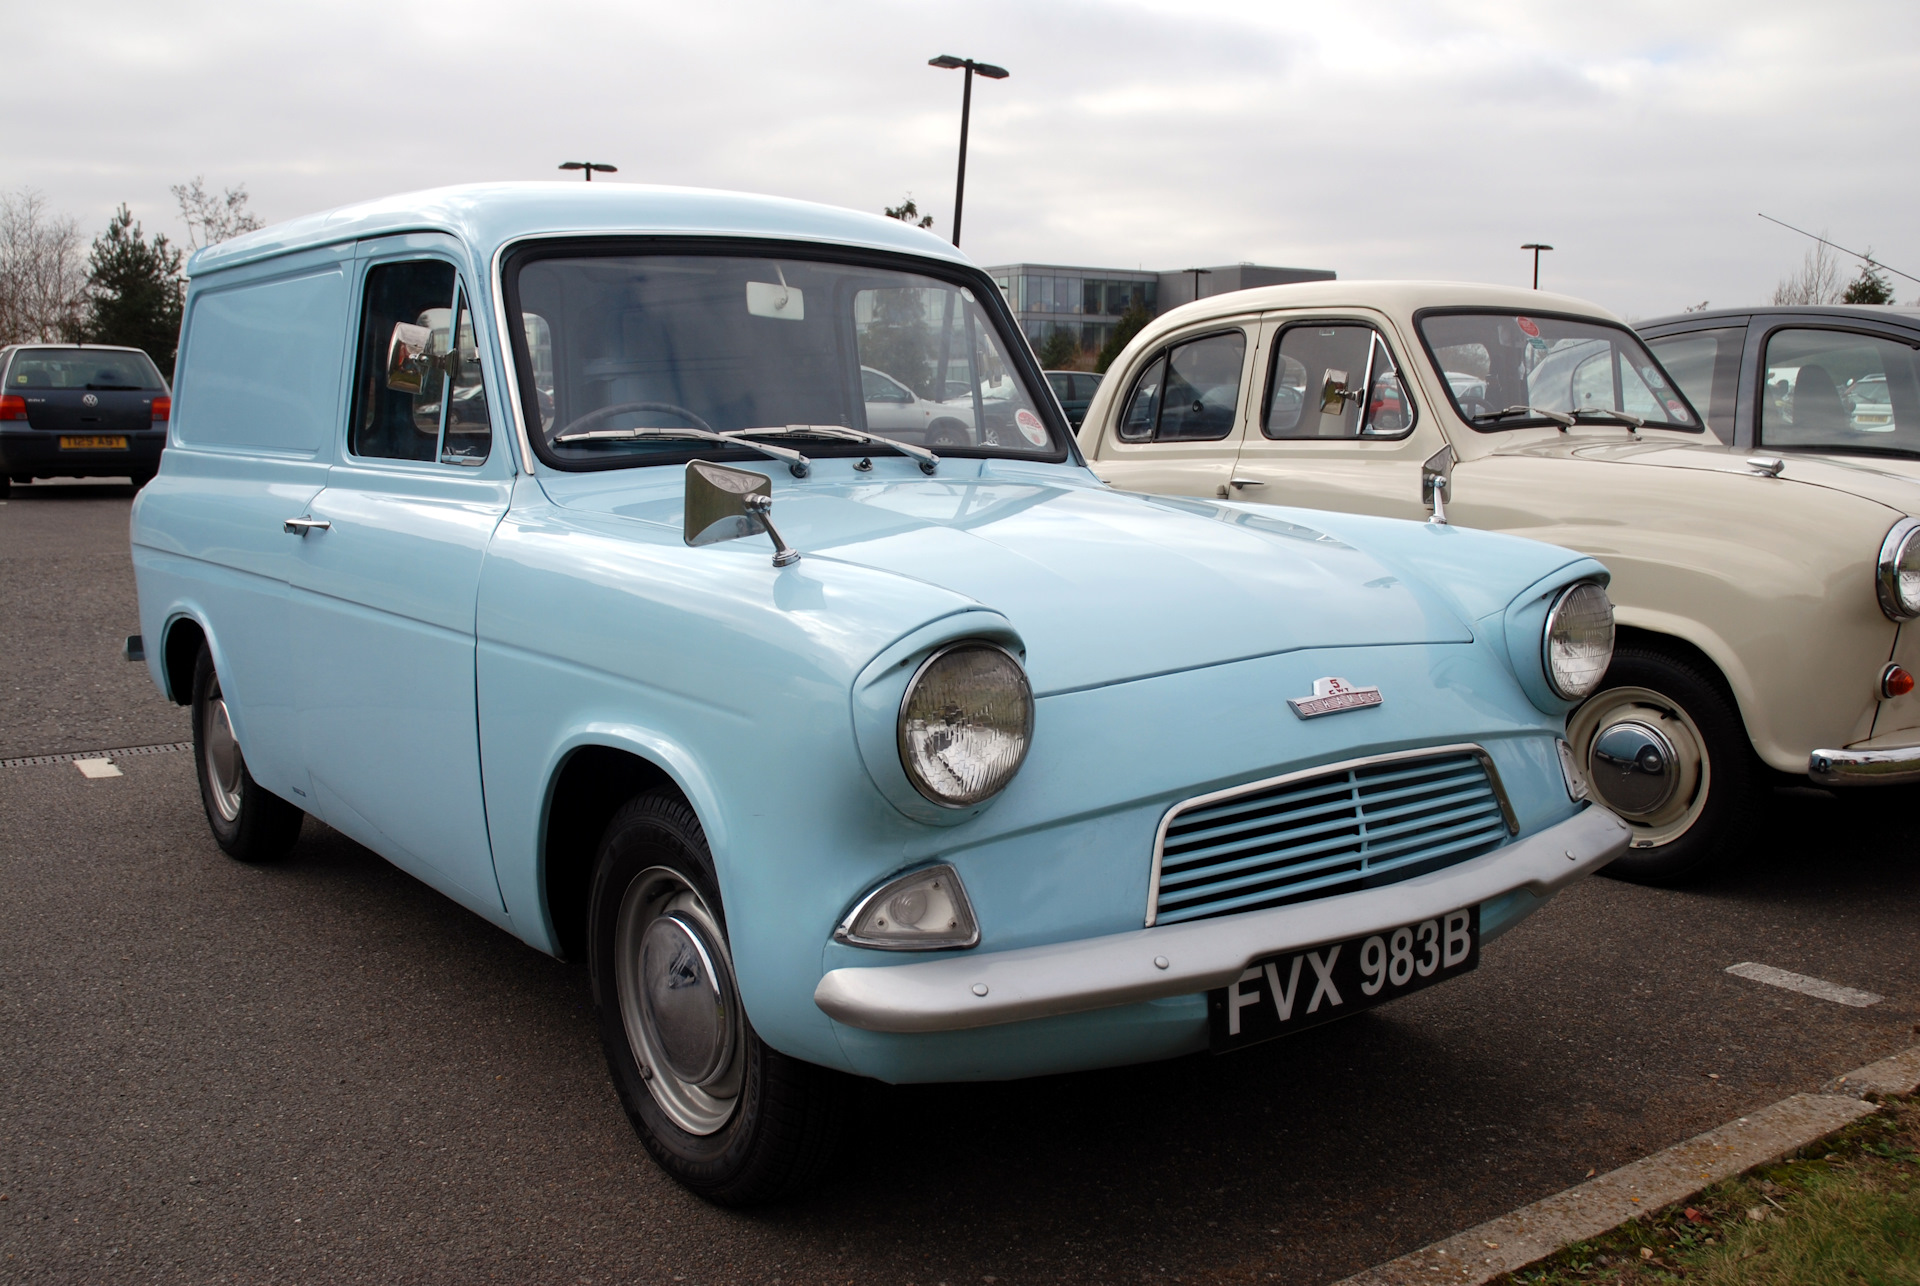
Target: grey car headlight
x=1577 y=643
x=1899 y=571
x=965 y=724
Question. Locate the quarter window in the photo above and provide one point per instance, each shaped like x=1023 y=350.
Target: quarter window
x=1188 y=393
x=1839 y=389
x=1334 y=382
x=437 y=410
x=1706 y=366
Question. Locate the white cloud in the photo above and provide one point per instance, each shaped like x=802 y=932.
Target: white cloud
x=1378 y=139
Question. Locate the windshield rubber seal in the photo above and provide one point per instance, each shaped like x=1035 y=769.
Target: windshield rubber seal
x=1533 y=422
x=599 y=245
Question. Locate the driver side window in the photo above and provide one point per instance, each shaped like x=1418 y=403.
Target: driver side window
x=436 y=407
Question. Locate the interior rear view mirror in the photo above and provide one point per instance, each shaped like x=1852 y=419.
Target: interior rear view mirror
x=408 y=359
x=777 y=300
x=723 y=503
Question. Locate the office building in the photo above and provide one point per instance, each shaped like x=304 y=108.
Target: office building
x=1089 y=302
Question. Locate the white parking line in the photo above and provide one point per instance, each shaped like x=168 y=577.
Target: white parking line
x=95 y=768
x=1806 y=986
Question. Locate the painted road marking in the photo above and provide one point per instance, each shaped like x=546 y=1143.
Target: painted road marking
x=1806 y=986
x=97 y=768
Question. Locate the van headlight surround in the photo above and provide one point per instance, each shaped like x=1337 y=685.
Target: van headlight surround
x=1898 y=578
x=966 y=722
x=1577 y=643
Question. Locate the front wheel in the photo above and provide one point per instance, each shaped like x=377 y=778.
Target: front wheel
x=249 y=822
x=1665 y=748
x=725 y=1114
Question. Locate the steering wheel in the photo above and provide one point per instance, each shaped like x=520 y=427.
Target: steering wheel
x=591 y=418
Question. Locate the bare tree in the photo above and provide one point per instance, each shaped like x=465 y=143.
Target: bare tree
x=1817 y=282
x=42 y=275
x=212 y=219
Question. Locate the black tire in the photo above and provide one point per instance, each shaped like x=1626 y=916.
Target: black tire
x=249 y=822
x=947 y=433
x=1716 y=809
x=784 y=1118
x=140 y=480
x=6 y=486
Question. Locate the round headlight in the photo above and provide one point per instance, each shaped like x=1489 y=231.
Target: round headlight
x=965 y=724
x=1579 y=640
x=1900 y=571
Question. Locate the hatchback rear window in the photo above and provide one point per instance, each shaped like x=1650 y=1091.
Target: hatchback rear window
x=84 y=368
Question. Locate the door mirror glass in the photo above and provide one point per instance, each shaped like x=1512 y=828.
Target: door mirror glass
x=724 y=503
x=408 y=361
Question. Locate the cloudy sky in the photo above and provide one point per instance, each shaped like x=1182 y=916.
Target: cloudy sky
x=1377 y=139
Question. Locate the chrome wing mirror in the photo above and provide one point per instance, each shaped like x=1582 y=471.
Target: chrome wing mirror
x=724 y=503
x=409 y=358
x=1436 y=483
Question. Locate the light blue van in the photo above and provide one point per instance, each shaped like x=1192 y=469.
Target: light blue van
x=538 y=538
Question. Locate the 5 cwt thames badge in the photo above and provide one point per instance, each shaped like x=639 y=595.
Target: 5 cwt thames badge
x=1331 y=696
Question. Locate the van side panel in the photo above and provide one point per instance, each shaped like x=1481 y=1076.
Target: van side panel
x=258 y=389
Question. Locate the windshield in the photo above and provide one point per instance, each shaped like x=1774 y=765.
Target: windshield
x=1502 y=370
x=721 y=343
x=84 y=368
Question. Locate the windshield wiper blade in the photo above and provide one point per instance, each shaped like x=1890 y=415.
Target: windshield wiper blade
x=796 y=462
x=928 y=460
x=1633 y=422
x=1560 y=418
x=116 y=388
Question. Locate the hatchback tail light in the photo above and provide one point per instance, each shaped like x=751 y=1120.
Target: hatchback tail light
x=162 y=408
x=12 y=407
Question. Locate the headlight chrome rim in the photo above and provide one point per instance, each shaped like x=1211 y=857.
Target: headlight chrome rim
x=1902 y=543
x=1562 y=618
x=908 y=759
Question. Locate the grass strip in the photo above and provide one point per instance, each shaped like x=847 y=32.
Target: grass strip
x=1844 y=1210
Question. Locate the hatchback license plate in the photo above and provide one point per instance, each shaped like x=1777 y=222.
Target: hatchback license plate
x=93 y=442
x=1284 y=993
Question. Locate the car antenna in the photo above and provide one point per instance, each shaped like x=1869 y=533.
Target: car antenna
x=1869 y=260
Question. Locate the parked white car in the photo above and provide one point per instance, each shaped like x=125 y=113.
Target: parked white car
x=1763 y=602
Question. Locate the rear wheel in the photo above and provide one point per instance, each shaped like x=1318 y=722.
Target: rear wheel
x=6 y=486
x=249 y=822
x=1664 y=747
x=726 y=1115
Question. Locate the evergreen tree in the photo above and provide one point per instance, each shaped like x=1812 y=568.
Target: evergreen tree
x=908 y=212
x=134 y=290
x=1868 y=288
x=1132 y=322
x=1058 y=350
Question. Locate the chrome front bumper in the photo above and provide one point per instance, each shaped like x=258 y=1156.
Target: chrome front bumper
x=1893 y=766
x=989 y=988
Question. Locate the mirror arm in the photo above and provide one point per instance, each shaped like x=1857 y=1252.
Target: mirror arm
x=1436 y=480
x=784 y=555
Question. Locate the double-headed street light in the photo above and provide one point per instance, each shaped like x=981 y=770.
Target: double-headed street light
x=589 y=167
x=966 y=108
x=1536 y=247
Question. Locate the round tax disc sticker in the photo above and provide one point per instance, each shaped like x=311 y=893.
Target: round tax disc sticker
x=1677 y=411
x=1527 y=327
x=1030 y=427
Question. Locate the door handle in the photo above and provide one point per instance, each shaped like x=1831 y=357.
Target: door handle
x=301 y=526
x=1245 y=482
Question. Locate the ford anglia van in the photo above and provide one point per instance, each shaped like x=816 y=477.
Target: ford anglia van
x=537 y=537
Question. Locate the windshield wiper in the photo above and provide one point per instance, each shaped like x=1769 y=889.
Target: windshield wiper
x=928 y=460
x=796 y=462
x=1560 y=418
x=1633 y=422
x=116 y=388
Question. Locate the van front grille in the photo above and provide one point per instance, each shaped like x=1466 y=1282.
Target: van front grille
x=1316 y=834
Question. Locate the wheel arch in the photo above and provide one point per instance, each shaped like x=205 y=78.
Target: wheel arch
x=590 y=780
x=180 y=648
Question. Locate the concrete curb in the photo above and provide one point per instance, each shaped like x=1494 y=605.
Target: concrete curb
x=1536 y=1231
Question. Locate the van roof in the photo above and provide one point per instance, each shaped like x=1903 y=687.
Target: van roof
x=489 y=215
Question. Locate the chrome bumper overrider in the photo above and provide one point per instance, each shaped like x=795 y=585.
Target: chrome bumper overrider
x=993 y=987
x=1894 y=766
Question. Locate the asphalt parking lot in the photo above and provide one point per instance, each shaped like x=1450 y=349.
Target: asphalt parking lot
x=324 y=1070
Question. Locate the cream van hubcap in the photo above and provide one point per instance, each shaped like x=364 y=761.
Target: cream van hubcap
x=1645 y=759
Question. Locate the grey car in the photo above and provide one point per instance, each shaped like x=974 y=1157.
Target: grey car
x=80 y=411
x=1825 y=377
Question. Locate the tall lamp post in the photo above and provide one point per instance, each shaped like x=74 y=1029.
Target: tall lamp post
x=588 y=168
x=1536 y=247
x=1197 y=274
x=966 y=109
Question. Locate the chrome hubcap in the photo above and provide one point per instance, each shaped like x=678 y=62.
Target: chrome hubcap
x=1646 y=760
x=678 y=1002
x=222 y=754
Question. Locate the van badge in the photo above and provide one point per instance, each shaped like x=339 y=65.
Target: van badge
x=1331 y=696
